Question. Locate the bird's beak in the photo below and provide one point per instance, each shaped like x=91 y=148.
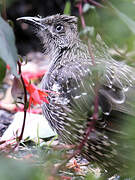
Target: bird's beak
x=34 y=21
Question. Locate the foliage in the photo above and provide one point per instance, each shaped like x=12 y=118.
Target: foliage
x=2 y=70
x=8 y=51
x=114 y=22
x=12 y=170
x=67 y=9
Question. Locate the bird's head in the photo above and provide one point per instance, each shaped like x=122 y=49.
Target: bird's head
x=56 y=31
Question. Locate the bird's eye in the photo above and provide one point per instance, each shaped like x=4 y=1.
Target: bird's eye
x=59 y=27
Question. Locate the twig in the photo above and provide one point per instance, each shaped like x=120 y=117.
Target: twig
x=25 y=102
x=79 y=5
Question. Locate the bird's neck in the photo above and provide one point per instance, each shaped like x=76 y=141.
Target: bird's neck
x=60 y=56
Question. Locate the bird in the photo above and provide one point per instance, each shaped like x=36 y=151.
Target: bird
x=85 y=81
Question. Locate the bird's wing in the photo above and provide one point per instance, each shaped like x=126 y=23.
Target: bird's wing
x=115 y=80
x=119 y=80
x=116 y=88
x=76 y=82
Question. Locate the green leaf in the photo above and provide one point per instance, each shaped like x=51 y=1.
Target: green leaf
x=2 y=70
x=67 y=9
x=8 y=51
x=128 y=21
x=19 y=170
x=112 y=29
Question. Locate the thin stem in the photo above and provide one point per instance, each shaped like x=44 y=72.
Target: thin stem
x=25 y=102
x=79 y=5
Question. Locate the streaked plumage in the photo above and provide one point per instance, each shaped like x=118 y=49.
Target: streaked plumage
x=73 y=77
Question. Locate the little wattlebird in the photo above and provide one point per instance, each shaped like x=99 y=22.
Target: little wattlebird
x=93 y=101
